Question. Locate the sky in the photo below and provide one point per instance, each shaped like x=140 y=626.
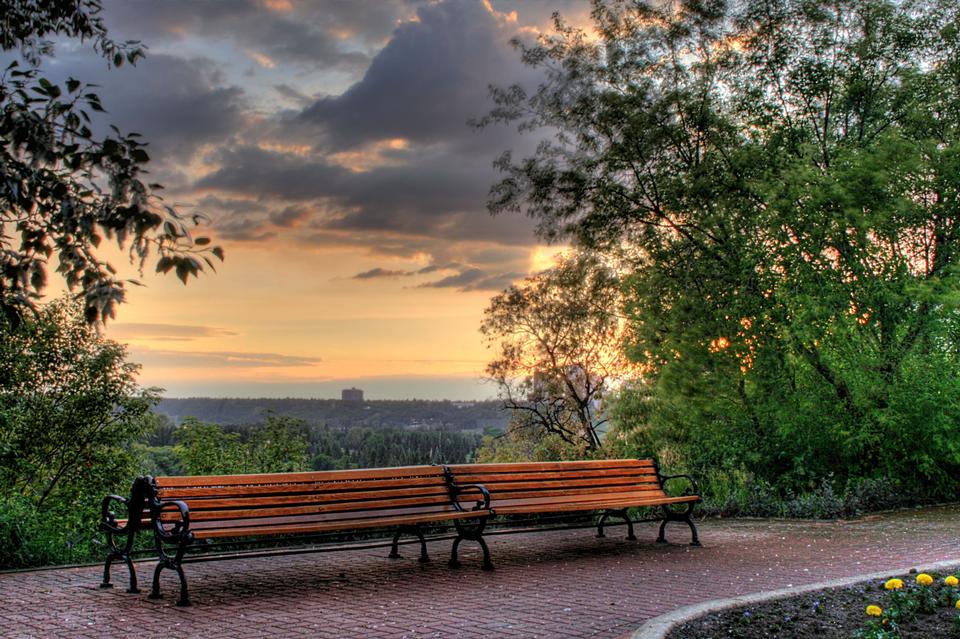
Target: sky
x=328 y=144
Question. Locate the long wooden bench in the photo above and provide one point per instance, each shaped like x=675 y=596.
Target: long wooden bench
x=611 y=486
x=181 y=510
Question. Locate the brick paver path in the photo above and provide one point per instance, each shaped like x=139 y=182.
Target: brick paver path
x=547 y=584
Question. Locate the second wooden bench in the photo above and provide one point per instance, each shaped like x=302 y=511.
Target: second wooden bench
x=610 y=486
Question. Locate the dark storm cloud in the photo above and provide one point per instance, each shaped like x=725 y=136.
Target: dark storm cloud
x=380 y=273
x=236 y=206
x=475 y=279
x=437 y=196
x=332 y=34
x=290 y=216
x=177 y=105
x=427 y=81
x=293 y=94
x=467 y=279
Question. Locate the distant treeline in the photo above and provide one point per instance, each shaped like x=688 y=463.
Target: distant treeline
x=284 y=444
x=337 y=414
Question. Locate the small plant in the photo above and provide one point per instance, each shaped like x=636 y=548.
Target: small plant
x=905 y=601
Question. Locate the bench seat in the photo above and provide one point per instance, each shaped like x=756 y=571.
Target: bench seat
x=607 y=502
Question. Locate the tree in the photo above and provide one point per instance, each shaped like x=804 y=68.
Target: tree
x=558 y=335
x=787 y=174
x=63 y=189
x=69 y=406
x=278 y=445
x=205 y=449
x=70 y=410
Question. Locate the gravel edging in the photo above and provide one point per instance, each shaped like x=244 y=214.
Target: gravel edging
x=658 y=627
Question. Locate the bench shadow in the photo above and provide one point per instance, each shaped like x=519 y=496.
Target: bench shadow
x=357 y=574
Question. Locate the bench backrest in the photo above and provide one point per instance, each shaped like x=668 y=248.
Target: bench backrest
x=529 y=480
x=285 y=499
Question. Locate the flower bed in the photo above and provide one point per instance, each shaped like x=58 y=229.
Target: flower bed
x=912 y=606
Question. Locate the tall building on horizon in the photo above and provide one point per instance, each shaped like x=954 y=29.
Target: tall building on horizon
x=351 y=395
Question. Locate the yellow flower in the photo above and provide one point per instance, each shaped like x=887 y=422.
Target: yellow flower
x=951 y=581
x=924 y=579
x=957 y=606
x=894 y=584
x=874 y=611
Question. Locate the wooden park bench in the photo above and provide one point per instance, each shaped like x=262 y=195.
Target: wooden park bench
x=181 y=510
x=610 y=486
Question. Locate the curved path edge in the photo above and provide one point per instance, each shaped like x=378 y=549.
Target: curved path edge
x=658 y=627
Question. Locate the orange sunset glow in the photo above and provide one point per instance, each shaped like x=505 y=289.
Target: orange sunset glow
x=337 y=170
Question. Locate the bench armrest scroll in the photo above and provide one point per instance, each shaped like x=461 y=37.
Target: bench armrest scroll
x=181 y=527
x=696 y=487
x=464 y=488
x=108 y=521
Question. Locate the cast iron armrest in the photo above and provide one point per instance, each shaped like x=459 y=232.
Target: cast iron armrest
x=180 y=529
x=665 y=478
x=463 y=488
x=108 y=522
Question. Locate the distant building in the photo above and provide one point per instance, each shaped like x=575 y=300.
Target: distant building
x=351 y=395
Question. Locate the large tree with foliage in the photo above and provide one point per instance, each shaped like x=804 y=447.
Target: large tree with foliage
x=70 y=408
x=558 y=336
x=787 y=175
x=63 y=189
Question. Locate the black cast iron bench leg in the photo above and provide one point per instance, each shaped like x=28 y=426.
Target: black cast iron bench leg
x=685 y=517
x=174 y=563
x=616 y=513
x=471 y=532
x=415 y=530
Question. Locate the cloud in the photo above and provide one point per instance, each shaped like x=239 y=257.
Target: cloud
x=290 y=216
x=220 y=359
x=436 y=196
x=388 y=166
x=166 y=332
x=293 y=94
x=463 y=278
x=428 y=80
x=475 y=279
x=177 y=105
x=335 y=35
x=379 y=273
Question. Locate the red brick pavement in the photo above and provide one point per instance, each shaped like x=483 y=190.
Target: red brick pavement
x=547 y=584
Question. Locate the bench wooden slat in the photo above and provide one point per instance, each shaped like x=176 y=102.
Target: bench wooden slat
x=321 y=527
x=581 y=498
x=292 y=478
x=200 y=504
x=345 y=520
x=462 y=469
x=507 y=484
x=519 y=509
x=240 y=513
x=180 y=492
x=499 y=498
x=480 y=478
